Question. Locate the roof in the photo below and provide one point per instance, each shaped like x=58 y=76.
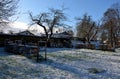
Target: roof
x=65 y=33
x=26 y=32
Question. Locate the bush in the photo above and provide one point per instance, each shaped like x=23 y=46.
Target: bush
x=95 y=70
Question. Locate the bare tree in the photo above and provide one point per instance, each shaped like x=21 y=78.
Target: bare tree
x=49 y=20
x=111 y=24
x=86 y=28
x=7 y=9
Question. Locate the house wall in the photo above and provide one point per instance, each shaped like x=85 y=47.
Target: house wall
x=54 y=42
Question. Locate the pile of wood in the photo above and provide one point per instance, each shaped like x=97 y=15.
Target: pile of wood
x=91 y=46
x=106 y=47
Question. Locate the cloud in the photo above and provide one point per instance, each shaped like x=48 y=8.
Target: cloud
x=36 y=28
x=19 y=25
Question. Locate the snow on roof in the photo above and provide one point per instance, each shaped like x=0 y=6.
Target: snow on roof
x=26 y=32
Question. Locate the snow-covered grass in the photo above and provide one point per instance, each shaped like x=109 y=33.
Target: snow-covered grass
x=62 y=63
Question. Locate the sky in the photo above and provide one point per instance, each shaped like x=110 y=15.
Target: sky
x=75 y=8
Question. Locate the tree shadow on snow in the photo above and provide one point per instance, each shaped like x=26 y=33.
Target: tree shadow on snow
x=66 y=67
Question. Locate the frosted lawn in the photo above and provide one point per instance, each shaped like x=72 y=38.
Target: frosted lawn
x=62 y=63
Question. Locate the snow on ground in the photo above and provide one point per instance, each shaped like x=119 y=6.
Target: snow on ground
x=62 y=63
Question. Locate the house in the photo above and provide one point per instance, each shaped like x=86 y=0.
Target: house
x=62 y=35
x=57 y=40
x=60 y=39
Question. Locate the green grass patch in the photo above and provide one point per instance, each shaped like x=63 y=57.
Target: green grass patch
x=71 y=57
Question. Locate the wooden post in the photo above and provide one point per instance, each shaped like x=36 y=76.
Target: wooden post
x=37 y=54
x=45 y=51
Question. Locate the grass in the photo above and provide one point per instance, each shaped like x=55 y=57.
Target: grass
x=70 y=57
x=20 y=67
x=13 y=68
